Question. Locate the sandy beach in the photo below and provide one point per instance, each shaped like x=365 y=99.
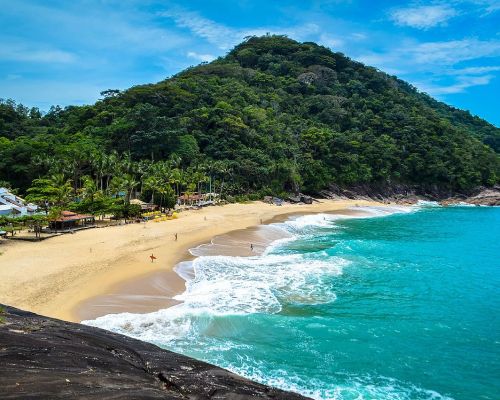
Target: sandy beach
x=107 y=270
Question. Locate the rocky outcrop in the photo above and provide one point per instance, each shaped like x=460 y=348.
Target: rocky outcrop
x=402 y=194
x=487 y=197
x=407 y=194
x=45 y=358
x=482 y=196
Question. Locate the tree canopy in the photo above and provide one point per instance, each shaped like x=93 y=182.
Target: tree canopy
x=273 y=115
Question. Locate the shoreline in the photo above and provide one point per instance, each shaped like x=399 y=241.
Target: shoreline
x=68 y=276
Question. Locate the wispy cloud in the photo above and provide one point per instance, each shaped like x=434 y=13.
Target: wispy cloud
x=115 y=43
x=485 y=6
x=36 y=54
x=474 y=70
x=201 y=57
x=359 y=36
x=216 y=34
x=224 y=37
x=330 y=41
x=433 y=55
x=459 y=86
x=13 y=77
x=423 y=17
x=438 y=68
x=453 y=52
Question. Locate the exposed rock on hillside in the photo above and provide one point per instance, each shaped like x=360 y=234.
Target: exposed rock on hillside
x=410 y=194
x=483 y=197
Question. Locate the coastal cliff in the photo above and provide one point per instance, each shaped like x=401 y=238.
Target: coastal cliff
x=43 y=358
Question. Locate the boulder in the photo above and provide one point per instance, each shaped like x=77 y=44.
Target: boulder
x=45 y=358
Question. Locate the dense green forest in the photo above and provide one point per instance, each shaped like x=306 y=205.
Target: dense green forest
x=272 y=116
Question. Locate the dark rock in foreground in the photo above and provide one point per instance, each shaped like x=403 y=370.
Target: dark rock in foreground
x=44 y=358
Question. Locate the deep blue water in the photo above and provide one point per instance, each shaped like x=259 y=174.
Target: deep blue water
x=402 y=306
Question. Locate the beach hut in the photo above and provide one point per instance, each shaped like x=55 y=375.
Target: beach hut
x=70 y=220
x=189 y=198
x=144 y=206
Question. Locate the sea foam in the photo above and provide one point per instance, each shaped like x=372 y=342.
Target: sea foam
x=228 y=285
x=218 y=287
x=223 y=286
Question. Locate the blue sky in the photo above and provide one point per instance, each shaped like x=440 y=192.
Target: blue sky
x=66 y=52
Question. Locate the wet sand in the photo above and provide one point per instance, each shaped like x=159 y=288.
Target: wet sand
x=156 y=290
x=101 y=271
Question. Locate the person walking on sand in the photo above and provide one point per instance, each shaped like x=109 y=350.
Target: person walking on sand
x=175 y=237
x=152 y=257
x=251 y=246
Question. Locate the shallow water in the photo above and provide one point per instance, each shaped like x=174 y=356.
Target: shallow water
x=403 y=305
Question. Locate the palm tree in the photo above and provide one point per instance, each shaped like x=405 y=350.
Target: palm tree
x=152 y=183
x=143 y=168
x=62 y=189
x=89 y=190
x=98 y=162
x=223 y=169
x=110 y=166
x=174 y=160
x=175 y=179
x=124 y=183
x=43 y=162
x=209 y=166
x=54 y=190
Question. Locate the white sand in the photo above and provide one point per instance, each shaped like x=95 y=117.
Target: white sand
x=55 y=276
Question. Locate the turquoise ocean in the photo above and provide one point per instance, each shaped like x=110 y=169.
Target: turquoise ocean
x=402 y=303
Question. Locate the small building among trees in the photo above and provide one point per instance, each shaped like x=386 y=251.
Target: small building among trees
x=144 y=206
x=71 y=220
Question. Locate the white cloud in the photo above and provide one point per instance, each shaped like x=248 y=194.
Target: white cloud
x=486 y=6
x=462 y=83
x=13 y=77
x=387 y=63
x=423 y=17
x=330 y=41
x=216 y=34
x=453 y=52
x=33 y=54
x=225 y=37
x=433 y=56
x=100 y=27
x=201 y=57
x=359 y=36
x=474 y=70
x=437 y=67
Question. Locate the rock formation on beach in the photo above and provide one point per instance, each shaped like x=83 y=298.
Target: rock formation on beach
x=410 y=194
x=45 y=358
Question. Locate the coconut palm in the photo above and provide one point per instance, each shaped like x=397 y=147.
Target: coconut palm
x=55 y=190
x=125 y=183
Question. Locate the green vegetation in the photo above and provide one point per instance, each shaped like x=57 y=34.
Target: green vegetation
x=15 y=224
x=273 y=116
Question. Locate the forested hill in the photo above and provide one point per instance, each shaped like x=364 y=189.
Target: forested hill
x=273 y=115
